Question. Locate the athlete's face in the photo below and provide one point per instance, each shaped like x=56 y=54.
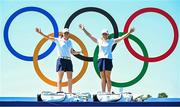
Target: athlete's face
x=66 y=35
x=105 y=35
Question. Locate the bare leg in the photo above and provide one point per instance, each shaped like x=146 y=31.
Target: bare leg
x=103 y=81
x=108 y=79
x=69 y=77
x=59 y=80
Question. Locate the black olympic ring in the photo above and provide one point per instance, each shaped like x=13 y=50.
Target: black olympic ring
x=98 y=10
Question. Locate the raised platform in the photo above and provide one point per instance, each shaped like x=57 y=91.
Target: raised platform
x=32 y=101
x=23 y=103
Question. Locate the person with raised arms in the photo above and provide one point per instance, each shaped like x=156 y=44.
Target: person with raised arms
x=64 y=63
x=105 y=64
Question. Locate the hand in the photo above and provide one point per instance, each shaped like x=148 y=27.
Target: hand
x=132 y=30
x=79 y=52
x=38 y=30
x=81 y=26
x=75 y=53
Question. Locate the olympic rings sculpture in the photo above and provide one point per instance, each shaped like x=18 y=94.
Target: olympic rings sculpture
x=85 y=56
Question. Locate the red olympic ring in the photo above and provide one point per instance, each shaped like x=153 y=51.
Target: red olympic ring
x=169 y=51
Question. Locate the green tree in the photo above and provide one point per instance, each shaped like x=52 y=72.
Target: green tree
x=149 y=96
x=162 y=95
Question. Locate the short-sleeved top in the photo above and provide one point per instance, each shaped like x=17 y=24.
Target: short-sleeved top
x=63 y=47
x=105 y=48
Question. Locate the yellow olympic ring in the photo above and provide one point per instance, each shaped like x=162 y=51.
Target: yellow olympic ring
x=43 y=77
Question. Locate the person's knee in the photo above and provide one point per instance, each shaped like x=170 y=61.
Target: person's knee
x=69 y=79
x=103 y=79
x=108 y=79
x=59 y=80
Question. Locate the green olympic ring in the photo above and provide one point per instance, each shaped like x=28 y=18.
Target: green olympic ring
x=141 y=74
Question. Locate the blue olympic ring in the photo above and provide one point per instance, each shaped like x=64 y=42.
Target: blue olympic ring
x=9 y=21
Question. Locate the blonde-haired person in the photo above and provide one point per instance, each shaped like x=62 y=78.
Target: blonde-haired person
x=105 y=64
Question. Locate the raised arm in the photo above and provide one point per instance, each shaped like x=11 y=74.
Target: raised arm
x=124 y=36
x=87 y=33
x=38 y=30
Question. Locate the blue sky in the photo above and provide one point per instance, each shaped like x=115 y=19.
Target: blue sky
x=18 y=77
